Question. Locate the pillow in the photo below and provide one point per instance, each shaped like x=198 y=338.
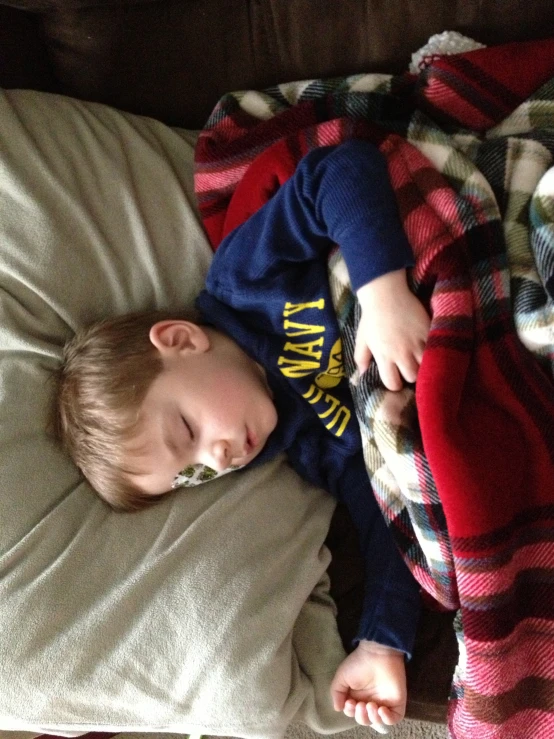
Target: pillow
x=207 y=613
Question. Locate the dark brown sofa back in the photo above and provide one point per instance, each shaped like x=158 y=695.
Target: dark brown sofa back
x=173 y=59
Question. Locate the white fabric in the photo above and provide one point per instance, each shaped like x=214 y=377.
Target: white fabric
x=206 y=614
x=442 y=44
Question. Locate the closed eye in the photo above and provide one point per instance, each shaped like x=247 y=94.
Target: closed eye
x=188 y=428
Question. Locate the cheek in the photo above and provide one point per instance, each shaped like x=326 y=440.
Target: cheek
x=271 y=416
x=225 y=399
x=235 y=392
x=232 y=385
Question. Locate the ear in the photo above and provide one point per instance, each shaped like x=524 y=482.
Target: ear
x=174 y=336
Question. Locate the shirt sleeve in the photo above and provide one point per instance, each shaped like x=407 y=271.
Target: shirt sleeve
x=338 y=195
x=392 y=602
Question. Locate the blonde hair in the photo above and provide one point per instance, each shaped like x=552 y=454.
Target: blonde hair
x=107 y=371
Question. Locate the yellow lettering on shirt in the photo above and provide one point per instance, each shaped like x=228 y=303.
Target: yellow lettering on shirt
x=306 y=348
x=303 y=328
x=296 y=367
x=333 y=401
x=291 y=308
x=345 y=413
x=310 y=391
x=330 y=405
x=334 y=373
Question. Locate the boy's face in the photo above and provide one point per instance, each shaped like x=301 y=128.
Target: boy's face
x=211 y=405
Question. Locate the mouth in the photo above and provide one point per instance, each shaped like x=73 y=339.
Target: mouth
x=251 y=442
x=250 y=447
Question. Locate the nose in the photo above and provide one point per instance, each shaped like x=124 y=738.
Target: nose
x=218 y=455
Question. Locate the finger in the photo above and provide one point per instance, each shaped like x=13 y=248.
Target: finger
x=418 y=353
x=409 y=368
x=338 y=697
x=361 y=714
x=362 y=355
x=373 y=713
x=388 y=717
x=350 y=708
x=390 y=376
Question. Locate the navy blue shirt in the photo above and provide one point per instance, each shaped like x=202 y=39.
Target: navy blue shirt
x=268 y=289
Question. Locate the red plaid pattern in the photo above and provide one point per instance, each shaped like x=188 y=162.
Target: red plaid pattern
x=465 y=481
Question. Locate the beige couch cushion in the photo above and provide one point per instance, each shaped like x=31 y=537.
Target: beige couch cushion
x=207 y=613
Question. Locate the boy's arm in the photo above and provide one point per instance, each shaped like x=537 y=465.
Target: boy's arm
x=370 y=684
x=391 y=605
x=337 y=195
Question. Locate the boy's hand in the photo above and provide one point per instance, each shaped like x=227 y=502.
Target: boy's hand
x=370 y=685
x=393 y=329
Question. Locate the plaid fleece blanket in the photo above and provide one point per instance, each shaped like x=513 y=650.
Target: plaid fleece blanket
x=462 y=466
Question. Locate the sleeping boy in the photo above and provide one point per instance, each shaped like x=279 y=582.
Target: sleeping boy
x=144 y=396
